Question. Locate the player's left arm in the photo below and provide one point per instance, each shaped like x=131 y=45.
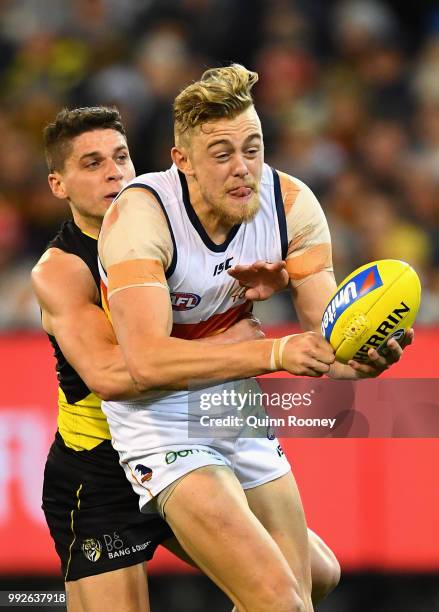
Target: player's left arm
x=309 y=265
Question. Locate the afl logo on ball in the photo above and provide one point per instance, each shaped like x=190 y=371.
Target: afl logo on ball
x=397 y=335
x=92 y=549
x=184 y=301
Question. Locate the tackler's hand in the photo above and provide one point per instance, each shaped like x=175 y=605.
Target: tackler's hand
x=248 y=328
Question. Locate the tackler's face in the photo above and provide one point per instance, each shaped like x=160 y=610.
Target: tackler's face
x=226 y=159
x=96 y=169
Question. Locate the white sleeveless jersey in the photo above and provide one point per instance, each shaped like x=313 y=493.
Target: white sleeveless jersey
x=205 y=299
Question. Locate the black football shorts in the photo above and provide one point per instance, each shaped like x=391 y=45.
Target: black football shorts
x=93 y=513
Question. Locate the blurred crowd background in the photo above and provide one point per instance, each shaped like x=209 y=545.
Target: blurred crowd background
x=349 y=100
x=348 y=96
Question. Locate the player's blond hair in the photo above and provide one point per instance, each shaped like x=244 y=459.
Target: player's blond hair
x=220 y=93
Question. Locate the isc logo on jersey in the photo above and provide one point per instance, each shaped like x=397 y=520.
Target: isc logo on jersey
x=361 y=284
x=184 y=301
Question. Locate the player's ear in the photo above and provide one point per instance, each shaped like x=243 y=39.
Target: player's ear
x=56 y=185
x=182 y=160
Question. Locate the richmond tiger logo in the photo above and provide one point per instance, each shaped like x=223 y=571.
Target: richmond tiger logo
x=92 y=549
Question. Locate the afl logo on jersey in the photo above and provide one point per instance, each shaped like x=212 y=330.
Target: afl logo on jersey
x=184 y=301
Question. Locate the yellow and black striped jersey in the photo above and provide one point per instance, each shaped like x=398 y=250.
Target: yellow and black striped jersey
x=81 y=422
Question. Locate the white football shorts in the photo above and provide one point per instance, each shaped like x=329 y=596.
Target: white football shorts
x=155 y=450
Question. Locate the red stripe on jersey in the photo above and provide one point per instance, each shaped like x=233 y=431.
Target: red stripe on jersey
x=214 y=325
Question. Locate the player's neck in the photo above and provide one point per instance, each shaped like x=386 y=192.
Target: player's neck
x=215 y=227
x=88 y=225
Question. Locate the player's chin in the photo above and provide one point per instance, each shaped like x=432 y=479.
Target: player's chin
x=243 y=209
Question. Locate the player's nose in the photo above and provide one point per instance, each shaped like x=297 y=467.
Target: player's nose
x=113 y=171
x=240 y=167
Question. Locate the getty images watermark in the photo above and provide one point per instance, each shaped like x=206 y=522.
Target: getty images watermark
x=247 y=405
x=310 y=408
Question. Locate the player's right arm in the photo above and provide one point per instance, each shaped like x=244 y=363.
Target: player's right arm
x=68 y=298
x=136 y=248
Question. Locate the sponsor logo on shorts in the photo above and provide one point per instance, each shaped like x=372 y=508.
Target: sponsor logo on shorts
x=172 y=456
x=112 y=542
x=145 y=472
x=280 y=451
x=92 y=549
x=116 y=547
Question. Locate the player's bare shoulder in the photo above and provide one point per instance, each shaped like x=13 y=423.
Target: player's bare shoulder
x=62 y=280
x=136 y=213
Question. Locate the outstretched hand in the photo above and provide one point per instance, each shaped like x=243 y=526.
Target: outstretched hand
x=261 y=278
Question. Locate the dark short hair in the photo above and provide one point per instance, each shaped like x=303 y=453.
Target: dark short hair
x=68 y=124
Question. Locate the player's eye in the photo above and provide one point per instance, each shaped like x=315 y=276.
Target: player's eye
x=222 y=156
x=122 y=157
x=93 y=164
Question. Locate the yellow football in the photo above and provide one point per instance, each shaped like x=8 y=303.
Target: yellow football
x=376 y=302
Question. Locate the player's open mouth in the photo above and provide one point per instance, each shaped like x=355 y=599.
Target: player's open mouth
x=241 y=194
x=110 y=197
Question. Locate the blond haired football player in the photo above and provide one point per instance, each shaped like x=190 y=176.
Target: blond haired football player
x=166 y=246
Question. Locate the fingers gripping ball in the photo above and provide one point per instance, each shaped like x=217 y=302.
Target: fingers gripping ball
x=376 y=302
